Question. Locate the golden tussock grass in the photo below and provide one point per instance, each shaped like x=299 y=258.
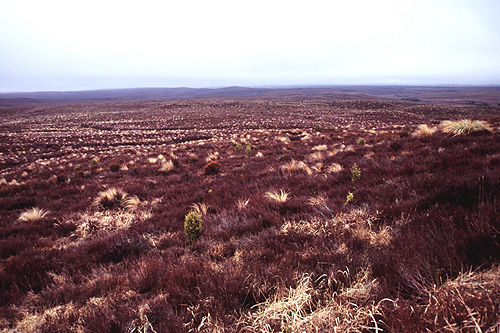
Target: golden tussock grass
x=199 y=208
x=303 y=309
x=166 y=166
x=294 y=166
x=33 y=214
x=242 y=203
x=110 y=198
x=424 y=130
x=334 y=168
x=280 y=196
x=464 y=126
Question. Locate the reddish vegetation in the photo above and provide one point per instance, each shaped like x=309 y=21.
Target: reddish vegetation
x=212 y=168
x=416 y=247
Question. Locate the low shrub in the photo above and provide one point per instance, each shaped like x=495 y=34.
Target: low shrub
x=350 y=197
x=114 y=167
x=110 y=199
x=355 y=173
x=211 y=168
x=405 y=132
x=192 y=226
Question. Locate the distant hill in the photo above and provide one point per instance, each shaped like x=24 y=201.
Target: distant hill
x=434 y=95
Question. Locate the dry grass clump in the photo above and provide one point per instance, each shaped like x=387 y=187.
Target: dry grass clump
x=334 y=168
x=424 y=130
x=294 y=166
x=317 y=201
x=302 y=309
x=317 y=156
x=167 y=166
x=110 y=199
x=464 y=126
x=320 y=148
x=242 y=203
x=33 y=214
x=280 y=197
x=131 y=203
x=199 y=208
x=468 y=303
x=212 y=157
x=287 y=311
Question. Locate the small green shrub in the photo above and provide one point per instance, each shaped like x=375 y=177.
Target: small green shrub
x=238 y=147
x=360 y=141
x=355 y=173
x=405 y=132
x=248 y=149
x=212 y=168
x=350 y=197
x=318 y=128
x=192 y=226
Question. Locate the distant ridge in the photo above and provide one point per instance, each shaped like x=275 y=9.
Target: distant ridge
x=481 y=96
x=114 y=95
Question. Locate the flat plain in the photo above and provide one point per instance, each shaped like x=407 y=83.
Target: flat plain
x=320 y=211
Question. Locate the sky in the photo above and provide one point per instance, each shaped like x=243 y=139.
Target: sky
x=80 y=45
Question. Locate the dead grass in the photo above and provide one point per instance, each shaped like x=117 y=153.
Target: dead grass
x=468 y=303
x=242 y=203
x=334 y=168
x=167 y=166
x=199 y=208
x=295 y=166
x=302 y=309
x=110 y=199
x=424 y=130
x=33 y=214
x=280 y=196
x=464 y=126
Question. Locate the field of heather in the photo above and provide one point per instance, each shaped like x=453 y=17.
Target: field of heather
x=276 y=215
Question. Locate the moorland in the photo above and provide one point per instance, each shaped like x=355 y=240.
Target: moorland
x=318 y=212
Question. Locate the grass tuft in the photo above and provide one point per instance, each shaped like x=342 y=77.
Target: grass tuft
x=280 y=197
x=334 y=168
x=200 y=208
x=242 y=203
x=424 y=130
x=33 y=214
x=131 y=203
x=464 y=126
x=110 y=199
x=167 y=166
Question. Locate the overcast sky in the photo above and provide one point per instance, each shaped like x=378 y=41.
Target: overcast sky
x=73 y=45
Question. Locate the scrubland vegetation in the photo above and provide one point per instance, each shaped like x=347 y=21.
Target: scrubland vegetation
x=250 y=216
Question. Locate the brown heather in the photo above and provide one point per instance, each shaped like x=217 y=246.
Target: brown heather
x=281 y=247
